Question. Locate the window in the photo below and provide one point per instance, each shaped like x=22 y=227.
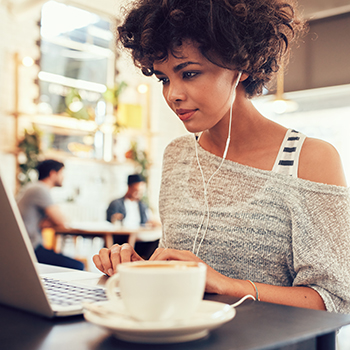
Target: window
x=77 y=60
x=77 y=64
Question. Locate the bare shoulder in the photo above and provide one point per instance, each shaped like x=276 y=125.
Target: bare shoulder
x=320 y=162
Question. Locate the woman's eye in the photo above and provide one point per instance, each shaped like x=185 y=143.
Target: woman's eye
x=188 y=75
x=163 y=80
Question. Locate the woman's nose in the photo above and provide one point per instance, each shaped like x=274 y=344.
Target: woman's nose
x=175 y=92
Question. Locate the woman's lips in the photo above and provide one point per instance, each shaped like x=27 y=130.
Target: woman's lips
x=185 y=114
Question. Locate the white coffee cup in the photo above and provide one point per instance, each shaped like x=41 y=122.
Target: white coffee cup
x=159 y=290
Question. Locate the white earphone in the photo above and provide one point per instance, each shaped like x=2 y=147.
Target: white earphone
x=206 y=185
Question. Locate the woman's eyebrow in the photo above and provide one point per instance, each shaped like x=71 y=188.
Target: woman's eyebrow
x=184 y=65
x=177 y=68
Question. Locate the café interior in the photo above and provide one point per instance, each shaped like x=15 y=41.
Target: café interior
x=69 y=94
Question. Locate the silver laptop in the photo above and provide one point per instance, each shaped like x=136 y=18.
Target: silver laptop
x=22 y=284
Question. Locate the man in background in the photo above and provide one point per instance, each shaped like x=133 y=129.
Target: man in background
x=38 y=211
x=131 y=212
x=130 y=209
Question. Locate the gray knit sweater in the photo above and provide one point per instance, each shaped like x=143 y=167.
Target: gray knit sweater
x=267 y=227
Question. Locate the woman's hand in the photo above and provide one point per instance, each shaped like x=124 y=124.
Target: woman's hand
x=108 y=260
x=215 y=282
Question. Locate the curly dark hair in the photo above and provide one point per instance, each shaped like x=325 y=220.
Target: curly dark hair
x=253 y=36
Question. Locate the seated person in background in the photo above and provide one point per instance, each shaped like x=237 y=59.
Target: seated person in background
x=132 y=213
x=130 y=209
x=38 y=211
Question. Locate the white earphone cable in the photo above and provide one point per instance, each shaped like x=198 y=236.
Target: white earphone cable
x=240 y=301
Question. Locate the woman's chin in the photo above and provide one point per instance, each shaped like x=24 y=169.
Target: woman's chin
x=193 y=129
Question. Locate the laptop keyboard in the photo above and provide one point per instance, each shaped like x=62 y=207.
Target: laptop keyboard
x=66 y=294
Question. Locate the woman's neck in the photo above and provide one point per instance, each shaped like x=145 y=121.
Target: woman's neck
x=254 y=139
x=246 y=121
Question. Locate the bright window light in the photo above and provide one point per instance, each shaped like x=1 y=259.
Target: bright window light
x=75 y=83
x=75 y=18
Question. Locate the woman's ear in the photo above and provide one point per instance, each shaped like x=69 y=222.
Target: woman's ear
x=243 y=77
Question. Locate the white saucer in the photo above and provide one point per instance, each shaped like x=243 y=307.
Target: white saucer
x=209 y=315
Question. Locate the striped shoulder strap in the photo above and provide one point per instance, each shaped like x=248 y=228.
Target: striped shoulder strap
x=287 y=160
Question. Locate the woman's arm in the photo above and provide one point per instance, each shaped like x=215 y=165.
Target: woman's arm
x=217 y=283
x=107 y=261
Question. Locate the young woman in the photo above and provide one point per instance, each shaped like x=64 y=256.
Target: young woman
x=266 y=208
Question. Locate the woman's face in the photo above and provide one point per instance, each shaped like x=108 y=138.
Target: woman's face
x=198 y=91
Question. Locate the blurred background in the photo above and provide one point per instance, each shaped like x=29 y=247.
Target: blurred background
x=67 y=93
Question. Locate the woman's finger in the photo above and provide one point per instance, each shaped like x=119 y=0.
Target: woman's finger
x=173 y=254
x=127 y=253
x=103 y=260
x=157 y=253
x=97 y=261
x=115 y=257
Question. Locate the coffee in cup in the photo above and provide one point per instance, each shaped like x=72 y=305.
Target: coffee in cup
x=159 y=290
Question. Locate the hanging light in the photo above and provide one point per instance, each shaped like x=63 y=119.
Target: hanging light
x=280 y=104
x=142 y=88
x=28 y=61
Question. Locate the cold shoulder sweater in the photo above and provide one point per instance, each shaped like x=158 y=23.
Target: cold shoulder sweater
x=263 y=226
